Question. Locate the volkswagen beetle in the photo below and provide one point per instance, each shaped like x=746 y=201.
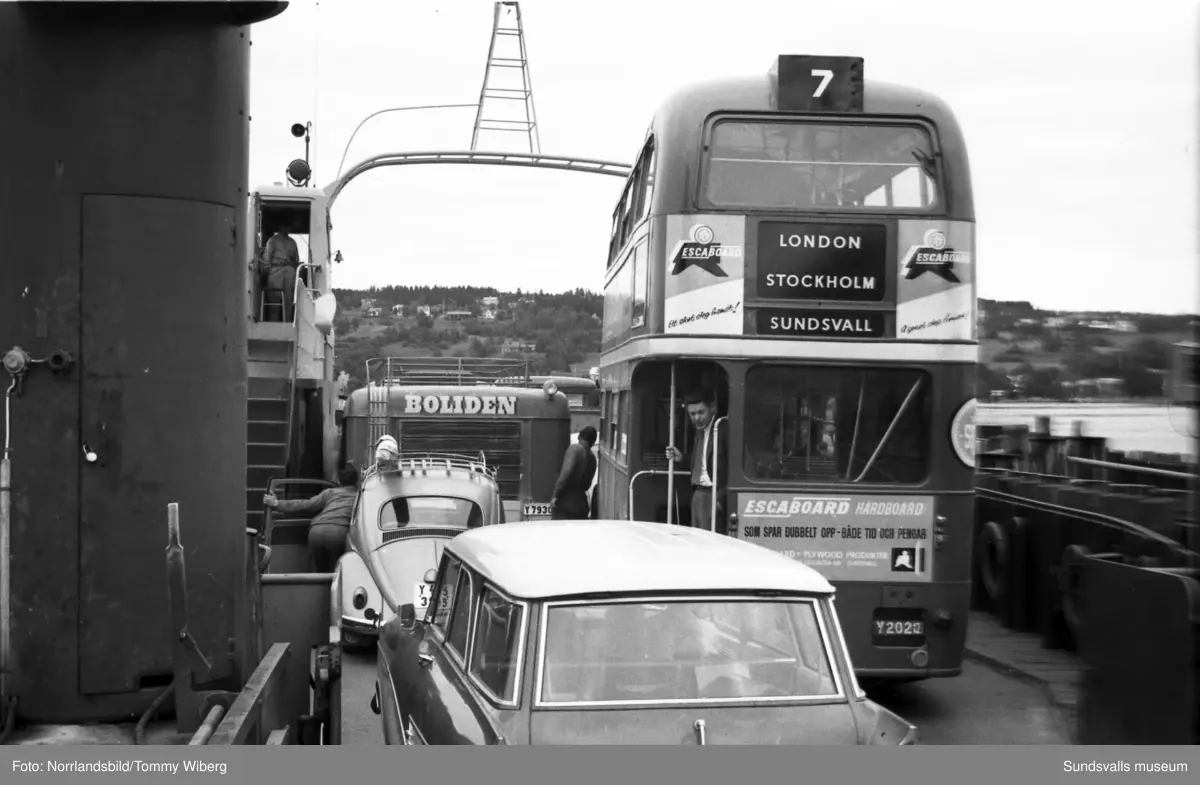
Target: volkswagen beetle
x=406 y=512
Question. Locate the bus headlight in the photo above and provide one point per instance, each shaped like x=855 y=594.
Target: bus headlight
x=360 y=598
x=549 y=388
x=962 y=433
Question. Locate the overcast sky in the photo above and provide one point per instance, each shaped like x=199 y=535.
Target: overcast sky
x=1080 y=120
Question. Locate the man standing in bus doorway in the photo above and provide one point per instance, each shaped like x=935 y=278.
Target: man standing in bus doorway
x=330 y=510
x=702 y=410
x=281 y=257
x=570 y=501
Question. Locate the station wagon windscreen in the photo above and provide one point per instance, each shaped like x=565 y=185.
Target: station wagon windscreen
x=429 y=511
x=684 y=651
x=798 y=166
x=837 y=424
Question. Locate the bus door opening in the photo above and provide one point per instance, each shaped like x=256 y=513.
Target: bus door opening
x=661 y=391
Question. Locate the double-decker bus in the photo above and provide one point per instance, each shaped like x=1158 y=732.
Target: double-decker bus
x=800 y=244
x=465 y=406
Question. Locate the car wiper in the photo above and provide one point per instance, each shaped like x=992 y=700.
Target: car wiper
x=888 y=433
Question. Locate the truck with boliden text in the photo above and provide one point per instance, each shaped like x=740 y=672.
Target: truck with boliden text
x=466 y=406
x=799 y=244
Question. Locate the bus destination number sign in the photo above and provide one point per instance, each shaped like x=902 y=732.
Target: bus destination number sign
x=845 y=537
x=831 y=262
x=820 y=323
x=814 y=83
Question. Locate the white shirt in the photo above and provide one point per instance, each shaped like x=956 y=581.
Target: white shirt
x=705 y=480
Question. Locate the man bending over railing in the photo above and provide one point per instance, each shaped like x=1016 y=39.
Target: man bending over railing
x=330 y=510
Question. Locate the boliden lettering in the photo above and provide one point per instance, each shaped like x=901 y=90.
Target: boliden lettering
x=811 y=324
x=460 y=404
x=782 y=507
x=819 y=241
x=810 y=281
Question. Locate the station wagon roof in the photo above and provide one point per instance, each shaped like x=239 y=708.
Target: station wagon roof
x=545 y=559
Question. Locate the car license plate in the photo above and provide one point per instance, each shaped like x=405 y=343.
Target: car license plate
x=536 y=509
x=421 y=596
x=898 y=627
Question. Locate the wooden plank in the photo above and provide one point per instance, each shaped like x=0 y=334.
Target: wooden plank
x=243 y=715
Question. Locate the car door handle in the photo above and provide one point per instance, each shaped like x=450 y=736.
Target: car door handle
x=424 y=660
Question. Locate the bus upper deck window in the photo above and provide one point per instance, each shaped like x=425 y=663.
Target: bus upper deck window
x=794 y=165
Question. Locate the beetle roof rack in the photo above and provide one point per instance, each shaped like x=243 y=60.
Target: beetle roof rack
x=387 y=371
x=424 y=463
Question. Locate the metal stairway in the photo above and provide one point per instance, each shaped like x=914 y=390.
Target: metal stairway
x=267 y=413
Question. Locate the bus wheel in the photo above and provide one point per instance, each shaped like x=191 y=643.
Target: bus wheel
x=993 y=567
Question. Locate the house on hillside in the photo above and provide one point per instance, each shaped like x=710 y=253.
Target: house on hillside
x=491 y=303
x=424 y=310
x=366 y=303
x=1095 y=388
x=374 y=312
x=1058 y=322
x=513 y=346
x=456 y=316
x=397 y=310
x=488 y=315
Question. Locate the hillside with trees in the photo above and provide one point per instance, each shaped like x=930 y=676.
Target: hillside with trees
x=1030 y=353
x=556 y=333
x=1025 y=352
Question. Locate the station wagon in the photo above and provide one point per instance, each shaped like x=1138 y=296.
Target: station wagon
x=406 y=512
x=620 y=632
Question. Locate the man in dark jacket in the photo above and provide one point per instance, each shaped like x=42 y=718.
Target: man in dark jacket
x=330 y=510
x=702 y=409
x=570 y=501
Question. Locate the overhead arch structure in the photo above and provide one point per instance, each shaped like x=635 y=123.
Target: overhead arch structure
x=478 y=157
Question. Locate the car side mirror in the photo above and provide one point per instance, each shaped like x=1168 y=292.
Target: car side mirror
x=408 y=616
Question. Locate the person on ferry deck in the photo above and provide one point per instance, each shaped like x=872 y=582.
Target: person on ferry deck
x=330 y=510
x=570 y=500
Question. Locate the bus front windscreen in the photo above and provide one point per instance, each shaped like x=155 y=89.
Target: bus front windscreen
x=797 y=166
x=809 y=424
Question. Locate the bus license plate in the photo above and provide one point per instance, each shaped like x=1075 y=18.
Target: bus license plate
x=536 y=509
x=898 y=627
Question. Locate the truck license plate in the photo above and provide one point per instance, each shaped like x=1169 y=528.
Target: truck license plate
x=536 y=509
